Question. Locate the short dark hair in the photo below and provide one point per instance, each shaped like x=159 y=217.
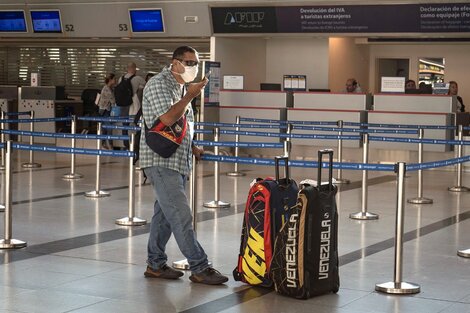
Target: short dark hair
x=180 y=51
x=109 y=77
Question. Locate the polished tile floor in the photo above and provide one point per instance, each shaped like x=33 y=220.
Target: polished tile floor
x=79 y=260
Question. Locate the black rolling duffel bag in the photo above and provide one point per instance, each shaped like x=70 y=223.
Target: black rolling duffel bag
x=305 y=261
x=267 y=208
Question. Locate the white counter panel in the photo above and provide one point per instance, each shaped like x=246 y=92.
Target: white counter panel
x=270 y=99
x=415 y=103
x=341 y=101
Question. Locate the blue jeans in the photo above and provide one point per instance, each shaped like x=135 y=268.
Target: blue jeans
x=172 y=214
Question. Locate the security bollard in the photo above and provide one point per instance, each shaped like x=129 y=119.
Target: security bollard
x=131 y=220
x=2 y=141
x=8 y=242
x=364 y=215
x=216 y=203
x=235 y=172
x=397 y=286
x=31 y=163
x=420 y=199
x=72 y=174
x=340 y=179
x=458 y=187
x=97 y=193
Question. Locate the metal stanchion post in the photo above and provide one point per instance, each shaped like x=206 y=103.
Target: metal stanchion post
x=31 y=163
x=340 y=179
x=287 y=142
x=2 y=140
x=8 y=242
x=235 y=172
x=420 y=199
x=131 y=220
x=139 y=124
x=216 y=203
x=459 y=187
x=97 y=193
x=72 y=174
x=364 y=215
x=183 y=264
x=397 y=286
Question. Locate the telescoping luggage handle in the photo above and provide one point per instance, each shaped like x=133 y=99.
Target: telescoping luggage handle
x=286 y=166
x=330 y=167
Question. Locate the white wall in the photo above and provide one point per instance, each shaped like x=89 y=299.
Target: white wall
x=267 y=60
x=348 y=60
x=241 y=56
x=303 y=56
x=457 y=61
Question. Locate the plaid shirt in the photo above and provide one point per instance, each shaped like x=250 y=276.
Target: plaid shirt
x=160 y=93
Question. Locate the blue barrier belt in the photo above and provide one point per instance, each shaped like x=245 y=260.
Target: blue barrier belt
x=63 y=135
x=294 y=163
x=398 y=125
x=434 y=164
x=113 y=153
x=17 y=113
x=125 y=119
x=136 y=128
x=238 y=144
x=36 y=120
x=424 y=141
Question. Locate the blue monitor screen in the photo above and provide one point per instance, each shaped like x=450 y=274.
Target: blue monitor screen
x=148 y=20
x=46 y=21
x=12 y=21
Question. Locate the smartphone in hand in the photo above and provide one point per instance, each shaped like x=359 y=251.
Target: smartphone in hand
x=208 y=74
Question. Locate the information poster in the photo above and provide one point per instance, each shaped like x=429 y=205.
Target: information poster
x=211 y=92
x=295 y=82
x=233 y=82
x=396 y=18
x=393 y=84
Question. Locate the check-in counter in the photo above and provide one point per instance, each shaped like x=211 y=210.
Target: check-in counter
x=313 y=106
x=41 y=101
x=252 y=104
x=8 y=98
x=415 y=110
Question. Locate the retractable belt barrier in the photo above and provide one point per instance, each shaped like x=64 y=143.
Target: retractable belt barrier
x=295 y=163
x=37 y=120
x=124 y=119
x=356 y=124
x=64 y=135
x=317 y=128
x=17 y=113
x=135 y=128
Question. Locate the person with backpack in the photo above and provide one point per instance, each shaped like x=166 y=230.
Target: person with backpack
x=125 y=93
x=163 y=100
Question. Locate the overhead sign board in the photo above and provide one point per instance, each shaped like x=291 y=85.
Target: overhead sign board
x=393 y=18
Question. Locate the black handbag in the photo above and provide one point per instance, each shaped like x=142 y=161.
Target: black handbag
x=163 y=139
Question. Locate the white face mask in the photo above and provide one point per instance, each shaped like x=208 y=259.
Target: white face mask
x=190 y=73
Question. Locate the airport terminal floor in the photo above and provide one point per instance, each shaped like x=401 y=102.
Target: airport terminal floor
x=78 y=260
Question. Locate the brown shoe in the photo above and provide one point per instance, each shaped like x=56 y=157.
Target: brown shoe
x=163 y=272
x=209 y=276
